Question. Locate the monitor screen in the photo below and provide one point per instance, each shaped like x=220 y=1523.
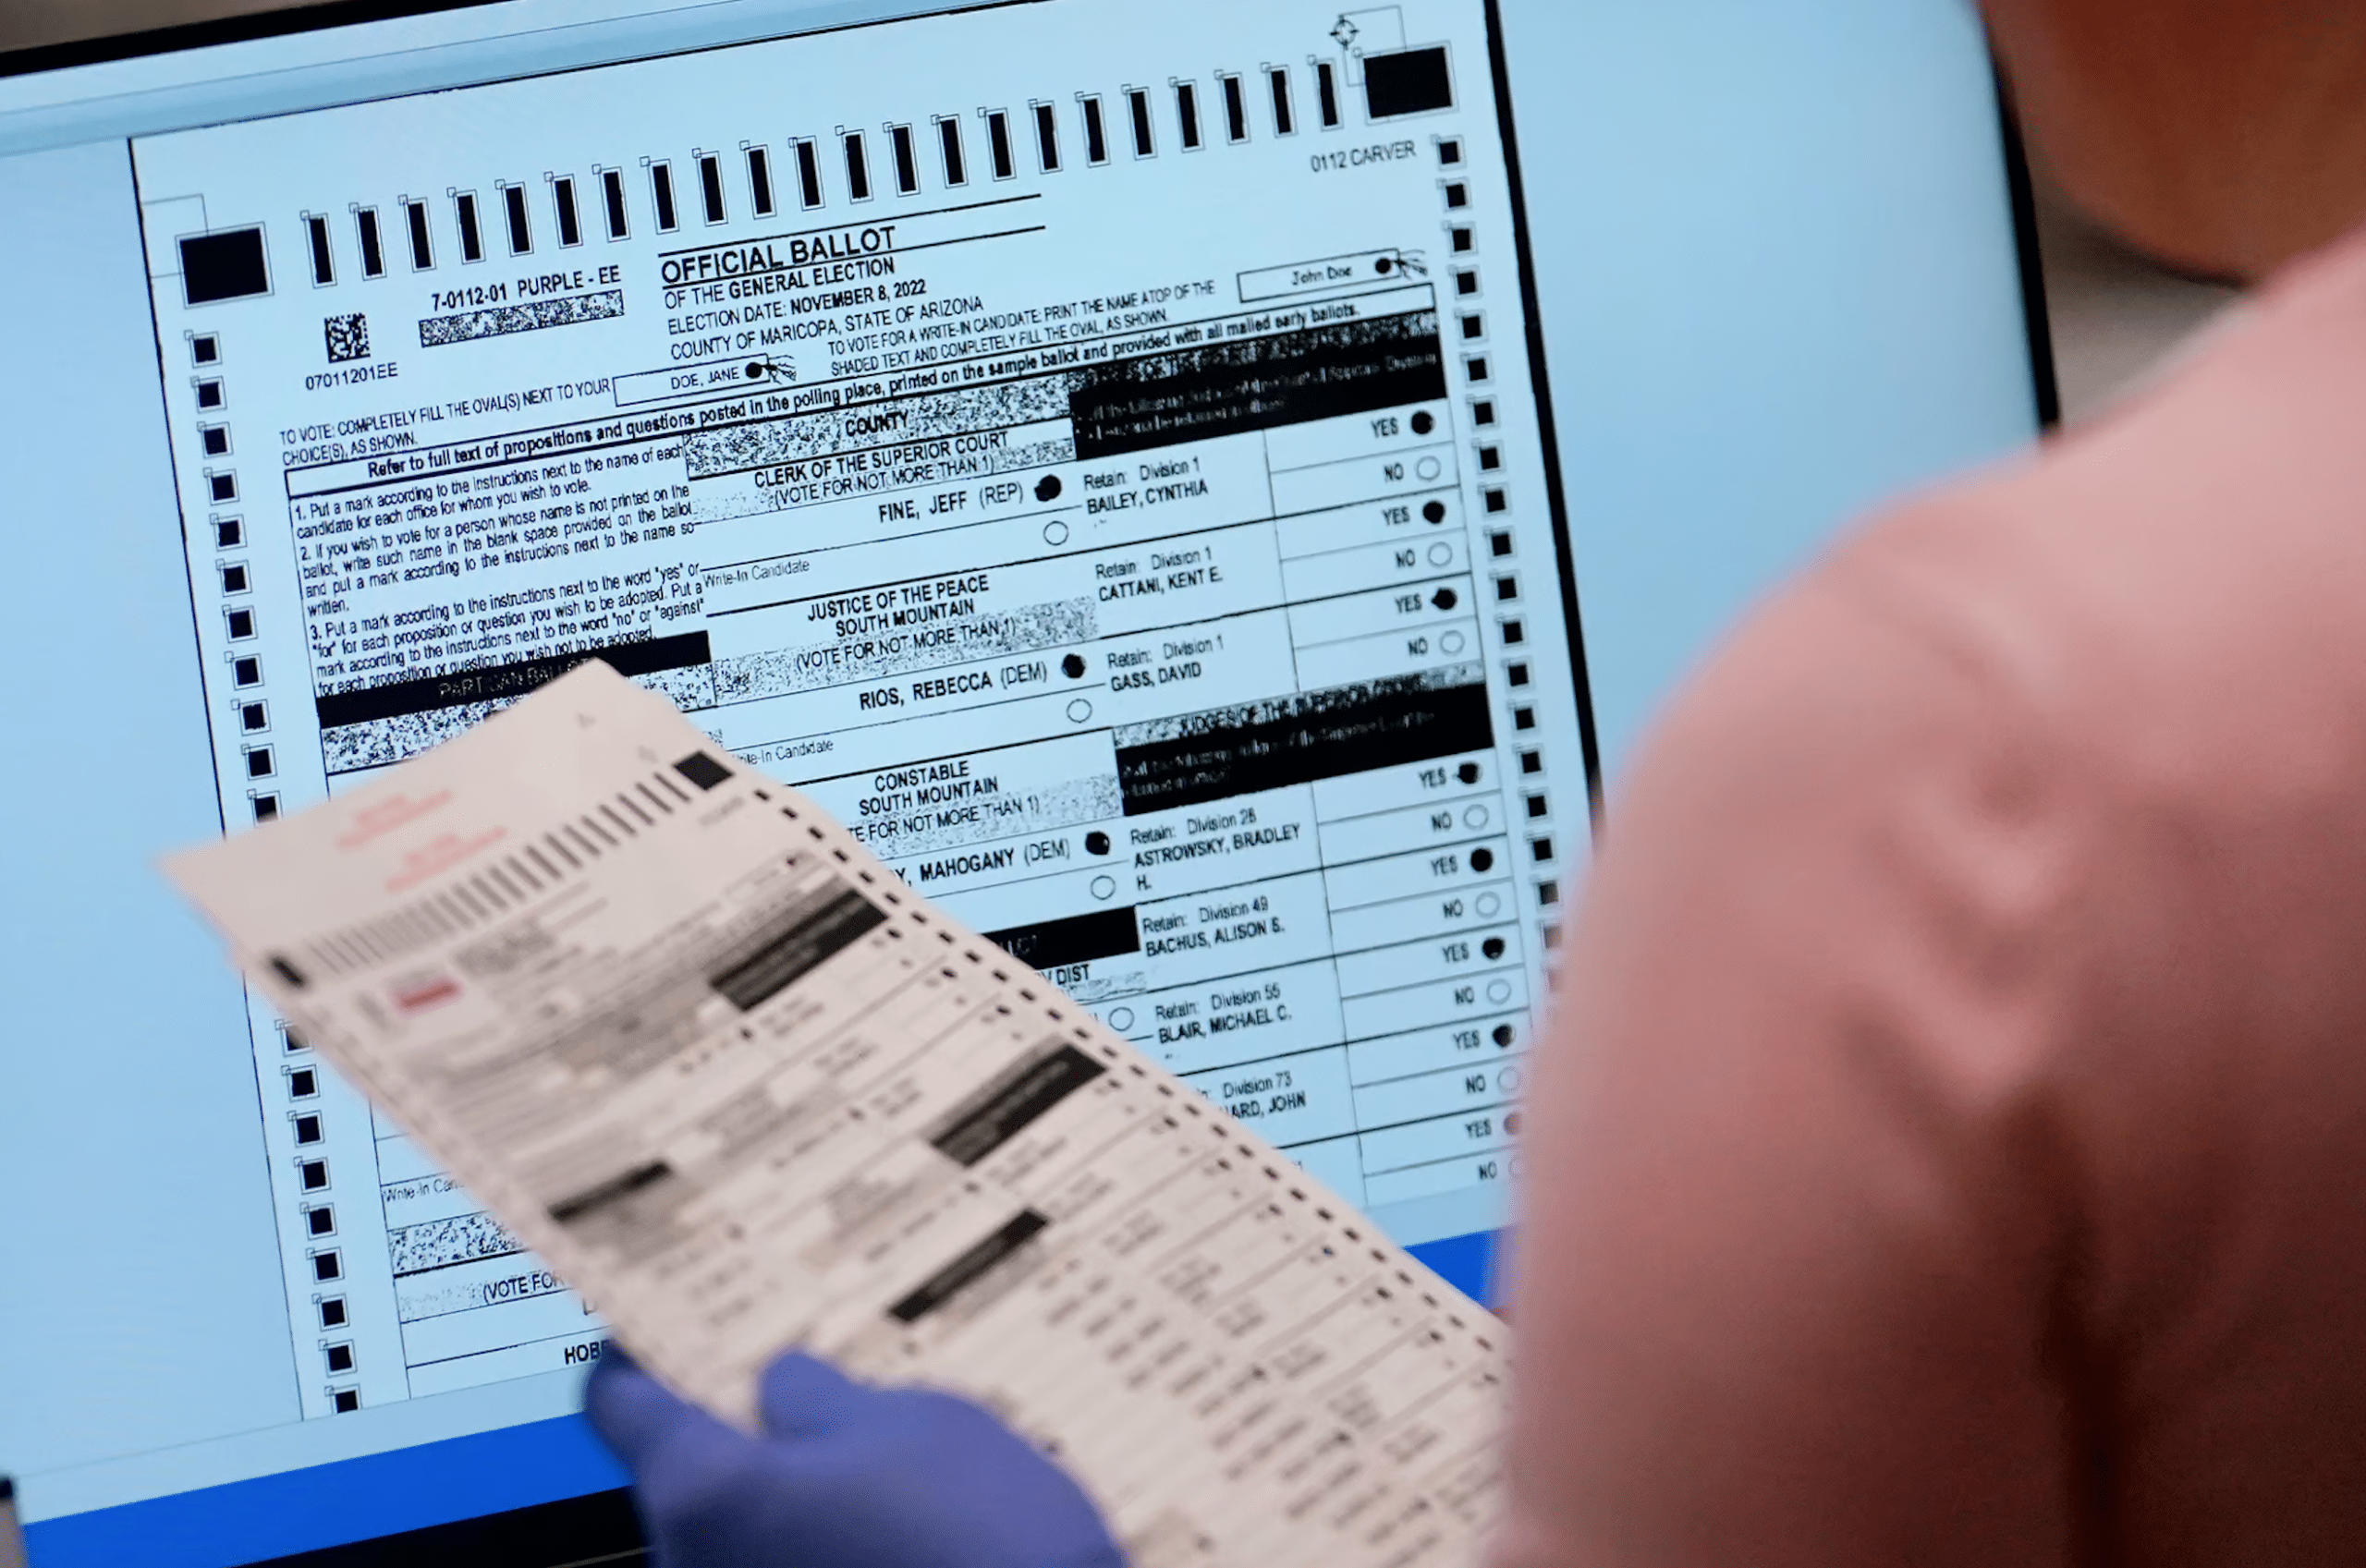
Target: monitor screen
x=1104 y=453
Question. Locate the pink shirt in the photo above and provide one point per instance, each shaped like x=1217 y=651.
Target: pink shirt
x=1952 y=1148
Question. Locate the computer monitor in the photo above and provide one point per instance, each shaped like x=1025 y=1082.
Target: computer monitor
x=1143 y=466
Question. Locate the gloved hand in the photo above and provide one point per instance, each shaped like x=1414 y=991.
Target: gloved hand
x=845 y=1476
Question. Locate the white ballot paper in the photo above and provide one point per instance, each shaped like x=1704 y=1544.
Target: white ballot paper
x=702 y=1051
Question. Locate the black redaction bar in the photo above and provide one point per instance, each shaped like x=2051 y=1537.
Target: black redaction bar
x=806 y=938
x=1197 y=757
x=1012 y=1103
x=1258 y=383
x=969 y=1268
x=1078 y=938
x=501 y=683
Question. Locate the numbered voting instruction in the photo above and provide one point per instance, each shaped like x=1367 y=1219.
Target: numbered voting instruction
x=714 y=1060
x=1101 y=462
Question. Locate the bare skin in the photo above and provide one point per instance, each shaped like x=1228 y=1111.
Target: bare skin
x=2226 y=136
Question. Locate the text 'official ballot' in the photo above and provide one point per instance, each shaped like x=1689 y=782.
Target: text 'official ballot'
x=701 y=1050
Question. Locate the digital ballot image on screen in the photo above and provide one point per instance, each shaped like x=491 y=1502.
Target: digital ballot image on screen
x=1105 y=466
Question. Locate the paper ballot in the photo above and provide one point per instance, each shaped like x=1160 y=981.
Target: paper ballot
x=748 y=1091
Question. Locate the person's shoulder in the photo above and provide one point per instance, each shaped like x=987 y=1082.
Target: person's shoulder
x=2180 y=584
x=2161 y=616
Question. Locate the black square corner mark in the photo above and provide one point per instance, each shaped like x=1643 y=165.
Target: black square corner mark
x=228 y=265
x=703 y=769
x=1408 y=81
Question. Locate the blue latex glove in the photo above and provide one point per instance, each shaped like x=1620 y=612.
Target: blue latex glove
x=845 y=1476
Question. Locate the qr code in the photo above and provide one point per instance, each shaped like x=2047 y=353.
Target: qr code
x=349 y=337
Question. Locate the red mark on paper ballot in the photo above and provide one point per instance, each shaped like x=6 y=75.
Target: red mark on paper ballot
x=376 y=821
x=439 y=856
x=419 y=994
